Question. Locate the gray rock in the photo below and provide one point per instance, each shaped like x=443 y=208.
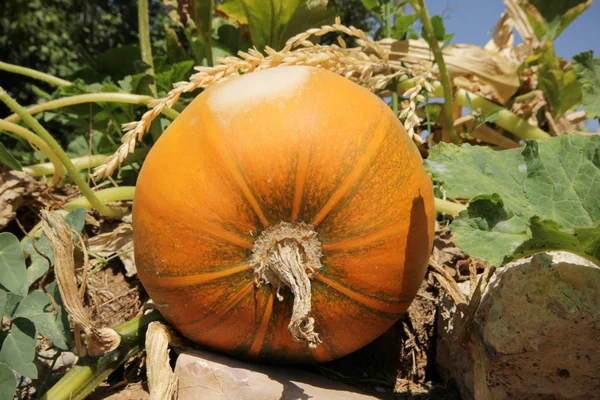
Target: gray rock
x=539 y=323
x=208 y=376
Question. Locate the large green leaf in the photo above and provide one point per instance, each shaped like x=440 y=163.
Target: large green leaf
x=18 y=348
x=587 y=69
x=550 y=18
x=8 y=382
x=13 y=274
x=542 y=197
x=38 y=308
x=272 y=22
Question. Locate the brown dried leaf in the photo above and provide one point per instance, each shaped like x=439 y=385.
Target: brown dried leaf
x=463 y=60
x=117 y=241
x=522 y=25
x=14 y=185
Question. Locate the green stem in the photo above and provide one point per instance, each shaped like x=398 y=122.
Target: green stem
x=89 y=372
x=57 y=168
x=121 y=193
x=80 y=163
x=505 y=119
x=145 y=44
x=92 y=98
x=429 y=36
x=448 y=207
x=395 y=98
x=60 y=153
x=208 y=36
x=32 y=73
x=387 y=19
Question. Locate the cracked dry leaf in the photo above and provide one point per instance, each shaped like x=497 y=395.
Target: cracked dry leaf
x=463 y=60
x=118 y=241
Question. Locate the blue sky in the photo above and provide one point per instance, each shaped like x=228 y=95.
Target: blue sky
x=472 y=21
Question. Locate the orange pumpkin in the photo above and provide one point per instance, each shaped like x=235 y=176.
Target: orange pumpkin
x=284 y=215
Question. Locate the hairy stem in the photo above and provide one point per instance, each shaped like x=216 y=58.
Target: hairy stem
x=121 y=193
x=60 y=153
x=505 y=119
x=89 y=372
x=80 y=163
x=429 y=36
x=387 y=19
x=57 y=168
x=92 y=98
x=145 y=44
x=448 y=207
x=32 y=73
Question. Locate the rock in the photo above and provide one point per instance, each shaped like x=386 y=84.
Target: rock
x=209 y=376
x=534 y=335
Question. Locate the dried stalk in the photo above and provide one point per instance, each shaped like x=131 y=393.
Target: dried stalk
x=162 y=382
x=99 y=340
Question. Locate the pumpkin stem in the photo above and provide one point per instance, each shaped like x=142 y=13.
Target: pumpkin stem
x=287 y=255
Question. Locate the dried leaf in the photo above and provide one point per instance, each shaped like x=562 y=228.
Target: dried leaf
x=463 y=60
x=118 y=241
x=14 y=186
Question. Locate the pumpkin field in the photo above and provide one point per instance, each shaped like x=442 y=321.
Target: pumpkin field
x=295 y=199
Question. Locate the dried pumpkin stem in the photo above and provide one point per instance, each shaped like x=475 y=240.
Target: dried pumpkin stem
x=99 y=340
x=286 y=256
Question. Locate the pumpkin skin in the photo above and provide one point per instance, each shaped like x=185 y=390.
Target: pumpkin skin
x=289 y=144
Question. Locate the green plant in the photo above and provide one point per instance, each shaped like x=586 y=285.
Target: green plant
x=31 y=305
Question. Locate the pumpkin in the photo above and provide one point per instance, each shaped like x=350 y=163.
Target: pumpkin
x=284 y=215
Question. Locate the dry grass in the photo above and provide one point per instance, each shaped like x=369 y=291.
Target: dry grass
x=367 y=65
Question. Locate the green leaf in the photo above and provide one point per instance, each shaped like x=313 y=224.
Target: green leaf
x=13 y=274
x=18 y=348
x=8 y=382
x=203 y=15
x=76 y=219
x=587 y=69
x=310 y=14
x=39 y=264
x=547 y=235
x=8 y=159
x=559 y=85
x=546 y=191
x=272 y=22
x=438 y=27
x=402 y=25
x=370 y=4
x=552 y=17
x=37 y=308
x=175 y=50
